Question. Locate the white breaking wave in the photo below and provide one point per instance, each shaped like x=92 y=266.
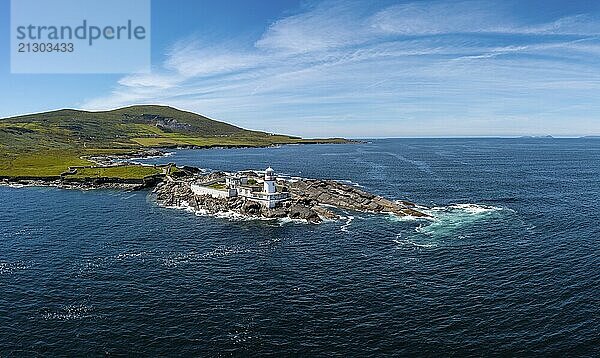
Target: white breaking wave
x=15 y=186
x=232 y=215
x=472 y=209
x=407 y=242
x=284 y=221
x=449 y=219
x=349 y=182
x=406 y=218
x=447 y=223
x=349 y=220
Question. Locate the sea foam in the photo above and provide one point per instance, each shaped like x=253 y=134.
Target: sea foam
x=446 y=223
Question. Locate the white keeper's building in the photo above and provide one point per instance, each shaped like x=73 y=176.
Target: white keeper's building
x=268 y=194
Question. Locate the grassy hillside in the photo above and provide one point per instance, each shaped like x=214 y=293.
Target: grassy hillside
x=46 y=144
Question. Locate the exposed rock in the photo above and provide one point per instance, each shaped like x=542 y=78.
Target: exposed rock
x=108 y=160
x=309 y=201
x=75 y=185
x=251 y=208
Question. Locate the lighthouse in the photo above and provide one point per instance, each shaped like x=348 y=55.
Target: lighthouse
x=269 y=184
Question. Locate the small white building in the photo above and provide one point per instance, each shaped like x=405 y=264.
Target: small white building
x=234 y=181
x=267 y=194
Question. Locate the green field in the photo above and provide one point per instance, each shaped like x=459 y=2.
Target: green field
x=123 y=172
x=39 y=164
x=218 y=186
x=46 y=144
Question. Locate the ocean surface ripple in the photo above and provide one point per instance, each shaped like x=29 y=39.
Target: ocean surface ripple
x=509 y=264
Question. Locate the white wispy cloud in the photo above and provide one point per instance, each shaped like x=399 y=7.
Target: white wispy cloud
x=582 y=24
x=443 y=17
x=195 y=59
x=327 y=25
x=420 y=64
x=151 y=80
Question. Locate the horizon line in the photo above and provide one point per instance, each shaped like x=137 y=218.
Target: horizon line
x=457 y=136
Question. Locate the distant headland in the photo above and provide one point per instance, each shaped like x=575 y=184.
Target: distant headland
x=73 y=145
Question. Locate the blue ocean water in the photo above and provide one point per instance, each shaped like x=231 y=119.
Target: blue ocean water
x=510 y=265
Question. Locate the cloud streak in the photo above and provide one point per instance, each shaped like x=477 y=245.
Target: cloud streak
x=403 y=68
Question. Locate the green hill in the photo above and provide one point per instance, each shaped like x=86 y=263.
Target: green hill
x=45 y=144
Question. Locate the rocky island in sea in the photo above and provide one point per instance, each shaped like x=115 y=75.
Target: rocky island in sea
x=257 y=194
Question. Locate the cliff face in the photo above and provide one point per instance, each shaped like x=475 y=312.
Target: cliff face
x=310 y=201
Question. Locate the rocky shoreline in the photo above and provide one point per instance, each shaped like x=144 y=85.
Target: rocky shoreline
x=312 y=200
x=88 y=184
x=111 y=159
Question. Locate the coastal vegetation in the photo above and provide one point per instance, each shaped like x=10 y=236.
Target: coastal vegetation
x=217 y=186
x=124 y=172
x=47 y=144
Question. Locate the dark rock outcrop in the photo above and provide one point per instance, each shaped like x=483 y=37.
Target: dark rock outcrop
x=179 y=194
x=311 y=200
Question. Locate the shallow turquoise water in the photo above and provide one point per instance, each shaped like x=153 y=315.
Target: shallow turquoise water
x=511 y=265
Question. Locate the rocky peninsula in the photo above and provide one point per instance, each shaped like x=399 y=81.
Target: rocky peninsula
x=312 y=200
x=83 y=150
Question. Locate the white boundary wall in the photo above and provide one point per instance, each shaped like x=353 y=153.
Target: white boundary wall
x=202 y=190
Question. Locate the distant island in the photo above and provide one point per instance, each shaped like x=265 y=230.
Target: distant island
x=73 y=145
x=548 y=136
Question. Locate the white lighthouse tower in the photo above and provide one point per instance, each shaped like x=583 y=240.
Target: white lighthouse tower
x=269 y=184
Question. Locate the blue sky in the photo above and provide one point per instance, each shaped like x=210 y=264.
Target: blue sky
x=353 y=68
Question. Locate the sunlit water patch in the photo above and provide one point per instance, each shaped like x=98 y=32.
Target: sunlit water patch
x=12 y=267
x=68 y=313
